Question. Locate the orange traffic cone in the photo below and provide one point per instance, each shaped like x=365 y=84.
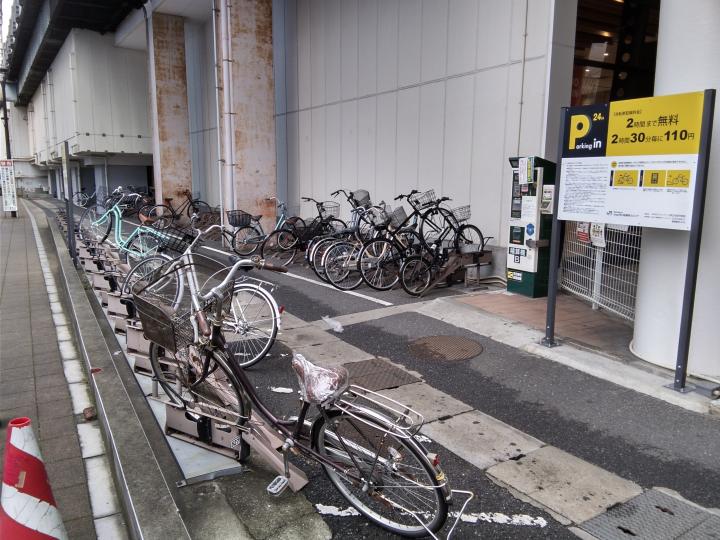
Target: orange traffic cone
x=27 y=506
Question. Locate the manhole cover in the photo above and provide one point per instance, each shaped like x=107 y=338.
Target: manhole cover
x=445 y=348
x=377 y=374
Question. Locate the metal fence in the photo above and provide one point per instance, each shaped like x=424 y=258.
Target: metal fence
x=606 y=276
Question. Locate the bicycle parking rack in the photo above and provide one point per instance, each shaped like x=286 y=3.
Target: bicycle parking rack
x=472 y=256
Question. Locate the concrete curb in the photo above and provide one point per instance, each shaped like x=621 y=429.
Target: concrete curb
x=147 y=501
x=597 y=365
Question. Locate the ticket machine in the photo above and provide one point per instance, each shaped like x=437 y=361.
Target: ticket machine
x=528 y=251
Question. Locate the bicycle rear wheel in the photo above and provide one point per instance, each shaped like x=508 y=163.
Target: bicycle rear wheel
x=142 y=245
x=198 y=207
x=398 y=488
x=203 y=383
x=90 y=228
x=246 y=240
x=251 y=326
x=161 y=215
x=317 y=253
x=166 y=285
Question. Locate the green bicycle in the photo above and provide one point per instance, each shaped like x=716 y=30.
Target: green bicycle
x=96 y=223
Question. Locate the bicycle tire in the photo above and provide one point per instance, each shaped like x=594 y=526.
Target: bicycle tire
x=89 y=230
x=415 y=275
x=333 y=225
x=379 y=262
x=316 y=256
x=251 y=325
x=179 y=375
x=398 y=466
x=162 y=215
x=469 y=235
x=168 y=288
x=197 y=207
x=280 y=247
x=80 y=199
x=241 y=243
x=142 y=245
x=341 y=265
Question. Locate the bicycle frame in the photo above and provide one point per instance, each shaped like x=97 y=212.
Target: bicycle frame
x=115 y=215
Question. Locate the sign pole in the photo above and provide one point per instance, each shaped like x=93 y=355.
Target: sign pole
x=693 y=259
x=69 y=206
x=555 y=239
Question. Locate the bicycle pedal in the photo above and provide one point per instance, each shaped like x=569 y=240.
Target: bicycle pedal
x=278 y=486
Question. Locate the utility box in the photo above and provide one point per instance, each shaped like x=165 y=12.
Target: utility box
x=528 y=252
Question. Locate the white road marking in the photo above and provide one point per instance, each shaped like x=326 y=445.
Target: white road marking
x=352 y=293
x=335 y=511
x=502 y=519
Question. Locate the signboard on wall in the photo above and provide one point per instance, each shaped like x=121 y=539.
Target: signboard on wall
x=7 y=181
x=632 y=162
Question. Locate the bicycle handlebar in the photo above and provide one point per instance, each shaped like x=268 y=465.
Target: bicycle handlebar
x=255 y=262
x=413 y=192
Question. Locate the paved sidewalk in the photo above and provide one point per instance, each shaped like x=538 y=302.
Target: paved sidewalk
x=31 y=373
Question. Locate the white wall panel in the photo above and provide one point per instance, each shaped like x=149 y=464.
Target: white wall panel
x=294 y=186
x=304 y=76
x=387 y=45
x=533 y=110
x=349 y=48
x=538 y=27
x=318 y=168
x=333 y=27
x=409 y=42
x=408 y=118
x=462 y=41
x=333 y=149
x=432 y=133
x=458 y=139
x=367 y=134
x=290 y=26
x=494 y=32
x=434 y=39
x=349 y=145
x=386 y=151
x=305 y=159
x=279 y=52
x=367 y=43
x=318 y=51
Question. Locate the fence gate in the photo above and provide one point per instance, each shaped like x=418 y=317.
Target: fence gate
x=606 y=276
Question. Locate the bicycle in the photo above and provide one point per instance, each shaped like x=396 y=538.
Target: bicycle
x=252 y=318
x=364 y=441
x=163 y=215
x=82 y=199
x=96 y=223
x=282 y=246
x=250 y=234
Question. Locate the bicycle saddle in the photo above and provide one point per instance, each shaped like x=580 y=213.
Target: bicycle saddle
x=318 y=384
x=168 y=199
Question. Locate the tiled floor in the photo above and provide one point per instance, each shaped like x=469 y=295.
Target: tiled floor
x=575 y=320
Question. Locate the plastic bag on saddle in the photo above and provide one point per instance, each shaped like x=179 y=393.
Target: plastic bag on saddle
x=318 y=384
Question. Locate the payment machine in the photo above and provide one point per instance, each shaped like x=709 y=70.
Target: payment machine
x=528 y=252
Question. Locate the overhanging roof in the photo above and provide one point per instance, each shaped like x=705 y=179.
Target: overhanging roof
x=64 y=15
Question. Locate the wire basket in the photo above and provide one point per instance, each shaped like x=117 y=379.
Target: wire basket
x=329 y=209
x=170 y=330
x=462 y=213
x=238 y=218
x=361 y=198
x=398 y=217
x=423 y=199
x=177 y=238
x=379 y=217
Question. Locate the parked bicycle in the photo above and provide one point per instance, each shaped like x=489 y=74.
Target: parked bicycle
x=163 y=215
x=364 y=441
x=250 y=234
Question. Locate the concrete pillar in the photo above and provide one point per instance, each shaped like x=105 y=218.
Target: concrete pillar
x=253 y=101
x=51 y=184
x=686 y=38
x=172 y=167
x=101 y=181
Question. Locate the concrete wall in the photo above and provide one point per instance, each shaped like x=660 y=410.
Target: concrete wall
x=173 y=172
x=393 y=95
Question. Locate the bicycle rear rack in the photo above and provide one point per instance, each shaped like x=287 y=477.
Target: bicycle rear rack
x=365 y=405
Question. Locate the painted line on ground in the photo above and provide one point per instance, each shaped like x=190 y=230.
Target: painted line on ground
x=352 y=293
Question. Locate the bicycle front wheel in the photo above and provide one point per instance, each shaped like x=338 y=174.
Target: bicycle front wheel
x=398 y=488
x=341 y=265
x=164 y=284
x=198 y=207
x=142 y=245
x=251 y=326
x=202 y=382
x=246 y=240
x=379 y=264
x=415 y=274
x=280 y=247
x=317 y=253
x=91 y=228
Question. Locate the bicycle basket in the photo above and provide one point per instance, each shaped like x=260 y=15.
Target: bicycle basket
x=461 y=213
x=238 y=218
x=423 y=199
x=379 y=217
x=398 y=217
x=361 y=198
x=329 y=209
x=171 y=331
x=177 y=238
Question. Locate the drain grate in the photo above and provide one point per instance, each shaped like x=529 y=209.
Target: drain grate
x=650 y=515
x=377 y=374
x=445 y=348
